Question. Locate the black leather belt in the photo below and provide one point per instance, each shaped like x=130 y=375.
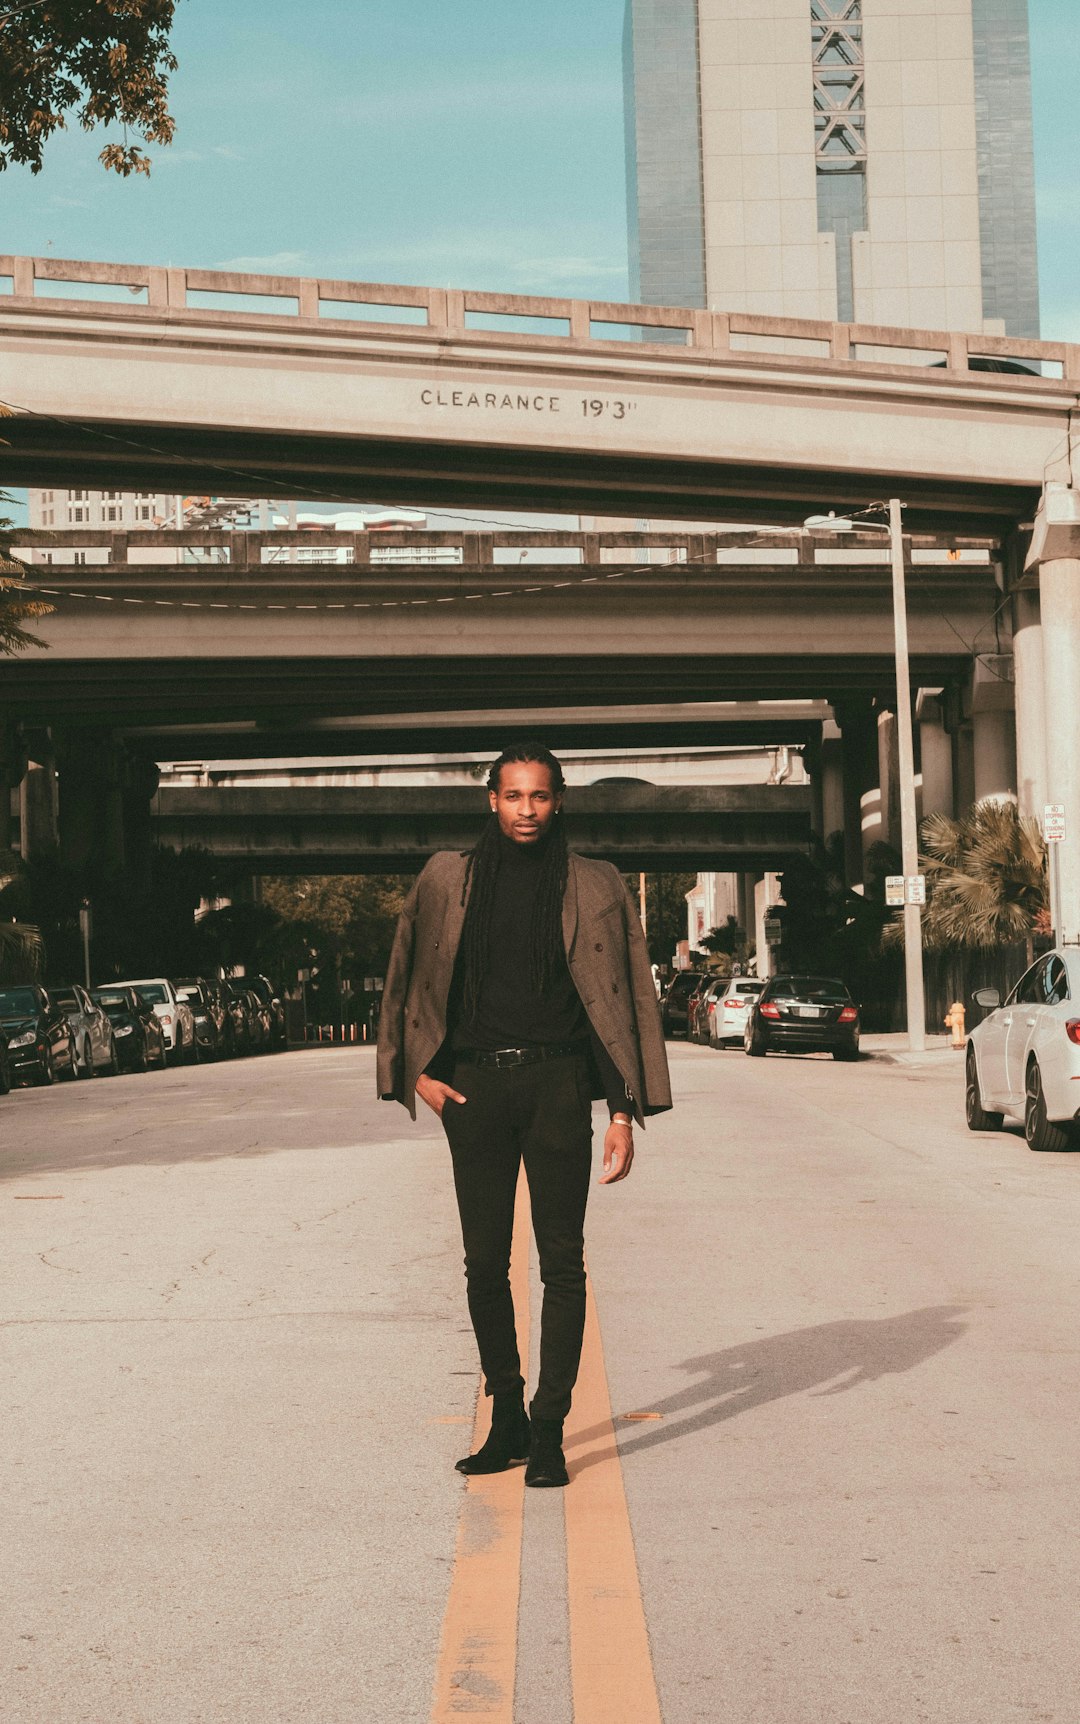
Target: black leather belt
x=508 y=1057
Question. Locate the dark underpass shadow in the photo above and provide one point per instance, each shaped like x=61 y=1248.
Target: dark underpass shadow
x=830 y=1359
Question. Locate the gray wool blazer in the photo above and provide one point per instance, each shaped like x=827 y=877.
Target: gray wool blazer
x=606 y=952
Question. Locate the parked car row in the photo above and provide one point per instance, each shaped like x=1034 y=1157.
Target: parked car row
x=64 y=1031
x=786 y=1014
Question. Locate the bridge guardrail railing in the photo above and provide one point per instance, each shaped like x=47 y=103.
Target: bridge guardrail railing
x=202 y=296
x=244 y=549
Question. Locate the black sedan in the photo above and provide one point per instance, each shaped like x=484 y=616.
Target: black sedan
x=139 y=1037
x=803 y=1014
x=673 y=1013
x=264 y=990
x=244 y=1031
x=210 y=1014
x=40 y=1045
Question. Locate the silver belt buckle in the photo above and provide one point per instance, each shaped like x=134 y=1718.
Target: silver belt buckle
x=509 y=1057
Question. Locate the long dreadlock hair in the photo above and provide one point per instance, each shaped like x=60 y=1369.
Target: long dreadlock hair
x=482 y=870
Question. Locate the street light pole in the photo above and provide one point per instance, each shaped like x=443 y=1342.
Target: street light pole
x=909 y=828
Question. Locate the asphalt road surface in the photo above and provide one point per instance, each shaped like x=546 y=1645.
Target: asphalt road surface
x=823 y=1452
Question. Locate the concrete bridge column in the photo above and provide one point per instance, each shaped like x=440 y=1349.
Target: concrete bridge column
x=1059 y=580
x=1030 y=704
x=831 y=772
x=747 y=885
x=139 y=787
x=936 y=752
x=12 y=770
x=38 y=801
x=964 y=770
x=766 y=893
x=91 y=773
x=861 y=801
x=889 y=777
x=993 y=724
x=7 y=813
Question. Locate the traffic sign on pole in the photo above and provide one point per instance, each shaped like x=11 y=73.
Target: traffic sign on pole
x=916 y=889
x=894 y=890
x=1054 y=822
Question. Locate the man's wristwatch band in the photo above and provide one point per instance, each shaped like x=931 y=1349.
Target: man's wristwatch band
x=621 y=1119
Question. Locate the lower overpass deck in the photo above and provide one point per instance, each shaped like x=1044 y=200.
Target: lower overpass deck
x=301 y=830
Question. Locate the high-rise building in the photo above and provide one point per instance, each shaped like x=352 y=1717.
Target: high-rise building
x=861 y=160
x=107 y=509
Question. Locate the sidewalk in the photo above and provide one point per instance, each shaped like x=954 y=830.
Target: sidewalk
x=892 y=1046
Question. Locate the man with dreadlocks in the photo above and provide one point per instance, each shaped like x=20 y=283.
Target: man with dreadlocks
x=518 y=990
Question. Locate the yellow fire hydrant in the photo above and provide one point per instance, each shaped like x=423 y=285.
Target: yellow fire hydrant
x=954 y=1020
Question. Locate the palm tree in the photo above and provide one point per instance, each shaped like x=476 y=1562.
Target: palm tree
x=986 y=879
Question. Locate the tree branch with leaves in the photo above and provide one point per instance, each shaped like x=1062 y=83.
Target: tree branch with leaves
x=105 y=61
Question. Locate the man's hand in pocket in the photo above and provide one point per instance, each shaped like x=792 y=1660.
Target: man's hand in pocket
x=436 y=1094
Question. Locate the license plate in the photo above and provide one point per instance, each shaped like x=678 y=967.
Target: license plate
x=808 y=1011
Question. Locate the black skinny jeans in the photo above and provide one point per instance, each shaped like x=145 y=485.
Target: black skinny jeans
x=541 y=1114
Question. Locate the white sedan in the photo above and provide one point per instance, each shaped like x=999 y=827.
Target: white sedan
x=1024 y=1058
x=727 y=1020
x=174 y=1015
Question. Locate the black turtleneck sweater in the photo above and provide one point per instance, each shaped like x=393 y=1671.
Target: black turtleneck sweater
x=511 y=1012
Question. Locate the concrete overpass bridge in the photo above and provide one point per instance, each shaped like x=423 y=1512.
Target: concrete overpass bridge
x=306 y=651
x=617 y=639
x=125 y=374
x=302 y=830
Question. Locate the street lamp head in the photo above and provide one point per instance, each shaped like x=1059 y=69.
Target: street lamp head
x=830 y=523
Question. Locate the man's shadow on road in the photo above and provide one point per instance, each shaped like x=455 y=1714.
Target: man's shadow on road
x=830 y=1359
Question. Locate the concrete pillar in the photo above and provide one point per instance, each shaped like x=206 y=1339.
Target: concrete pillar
x=994 y=737
x=889 y=778
x=79 y=800
x=817 y=798
x=1059 y=580
x=140 y=784
x=993 y=724
x=832 y=779
x=764 y=950
x=38 y=810
x=936 y=752
x=964 y=765
x=721 y=899
x=12 y=767
x=862 y=802
x=747 y=900
x=91 y=774
x=1030 y=704
x=766 y=893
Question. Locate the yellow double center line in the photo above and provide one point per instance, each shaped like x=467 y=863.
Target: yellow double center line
x=610 y=1662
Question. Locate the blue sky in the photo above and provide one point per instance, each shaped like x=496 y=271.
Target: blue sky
x=449 y=142
x=466 y=142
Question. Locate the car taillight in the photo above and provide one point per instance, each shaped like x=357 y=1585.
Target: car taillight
x=768 y=1010
x=166 y=1017
x=734 y=1004
x=848 y=1015
x=1072 y=1030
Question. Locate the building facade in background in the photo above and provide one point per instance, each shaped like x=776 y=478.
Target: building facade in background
x=108 y=509
x=860 y=160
